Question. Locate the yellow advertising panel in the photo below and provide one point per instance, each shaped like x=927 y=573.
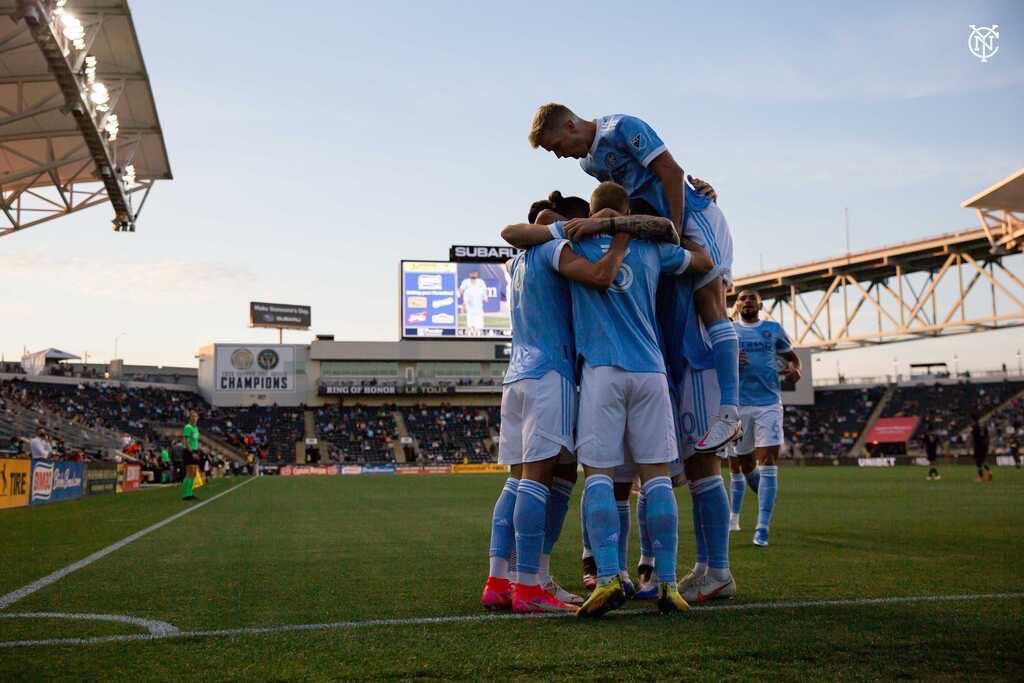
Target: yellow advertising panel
x=14 y=482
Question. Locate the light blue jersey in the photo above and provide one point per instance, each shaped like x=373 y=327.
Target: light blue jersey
x=623 y=148
x=618 y=326
x=684 y=340
x=759 y=376
x=541 y=312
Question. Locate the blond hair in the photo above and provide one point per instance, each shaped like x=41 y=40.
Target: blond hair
x=609 y=195
x=545 y=119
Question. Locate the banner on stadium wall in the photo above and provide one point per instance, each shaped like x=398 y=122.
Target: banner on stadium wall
x=893 y=429
x=479 y=468
x=351 y=469
x=428 y=469
x=378 y=469
x=261 y=369
x=380 y=390
x=129 y=477
x=56 y=481
x=876 y=462
x=308 y=470
x=1001 y=461
x=100 y=478
x=15 y=482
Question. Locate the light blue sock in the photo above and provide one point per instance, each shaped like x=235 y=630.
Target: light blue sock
x=602 y=521
x=623 y=507
x=714 y=512
x=530 y=513
x=754 y=479
x=503 y=537
x=766 y=496
x=725 y=351
x=663 y=525
x=701 y=543
x=739 y=487
x=558 y=507
x=646 y=551
x=587 y=552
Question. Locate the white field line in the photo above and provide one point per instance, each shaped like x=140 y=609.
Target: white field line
x=25 y=591
x=418 y=621
x=154 y=626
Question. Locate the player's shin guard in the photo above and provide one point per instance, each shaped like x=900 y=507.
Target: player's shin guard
x=713 y=501
x=725 y=350
x=663 y=525
x=646 y=551
x=602 y=524
x=530 y=513
x=766 y=495
x=739 y=487
x=558 y=507
x=623 y=508
x=503 y=529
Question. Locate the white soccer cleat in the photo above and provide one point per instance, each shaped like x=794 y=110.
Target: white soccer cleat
x=688 y=580
x=707 y=588
x=734 y=522
x=724 y=430
x=560 y=593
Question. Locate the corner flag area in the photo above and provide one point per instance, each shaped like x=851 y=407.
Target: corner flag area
x=872 y=575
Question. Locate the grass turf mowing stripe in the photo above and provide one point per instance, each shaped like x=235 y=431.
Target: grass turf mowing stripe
x=25 y=591
x=350 y=625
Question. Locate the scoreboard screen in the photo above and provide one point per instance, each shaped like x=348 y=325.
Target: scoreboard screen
x=448 y=300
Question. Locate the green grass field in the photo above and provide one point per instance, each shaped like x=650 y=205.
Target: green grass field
x=293 y=551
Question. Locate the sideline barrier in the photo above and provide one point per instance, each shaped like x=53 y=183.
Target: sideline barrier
x=15 y=481
x=426 y=469
x=56 y=481
x=307 y=470
x=378 y=469
x=488 y=468
x=100 y=478
x=350 y=469
x=129 y=477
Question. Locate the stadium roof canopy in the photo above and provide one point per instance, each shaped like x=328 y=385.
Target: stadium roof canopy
x=1000 y=210
x=78 y=122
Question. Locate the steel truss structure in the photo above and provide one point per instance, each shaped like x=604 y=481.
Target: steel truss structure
x=62 y=150
x=950 y=284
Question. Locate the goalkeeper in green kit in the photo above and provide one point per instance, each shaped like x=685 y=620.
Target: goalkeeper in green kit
x=191 y=436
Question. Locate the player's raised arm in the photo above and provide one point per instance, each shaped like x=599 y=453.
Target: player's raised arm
x=650 y=228
x=526 y=235
x=672 y=178
x=597 y=275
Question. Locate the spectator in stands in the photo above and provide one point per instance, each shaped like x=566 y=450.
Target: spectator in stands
x=40 y=446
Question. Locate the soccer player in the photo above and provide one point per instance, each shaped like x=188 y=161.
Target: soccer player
x=931 y=450
x=626 y=150
x=190 y=434
x=762 y=343
x=473 y=293
x=538 y=415
x=625 y=404
x=979 y=439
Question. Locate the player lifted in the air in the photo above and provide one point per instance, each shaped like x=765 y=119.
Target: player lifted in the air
x=762 y=344
x=626 y=150
x=473 y=295
x=538 y=417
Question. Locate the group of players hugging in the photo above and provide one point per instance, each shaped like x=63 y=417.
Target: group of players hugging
x=624 y=360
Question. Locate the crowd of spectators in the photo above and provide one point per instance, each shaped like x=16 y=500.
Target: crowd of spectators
x=830 y=427
x=358 y=434
x=451 y=434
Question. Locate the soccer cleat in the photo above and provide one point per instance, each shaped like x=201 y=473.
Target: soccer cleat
x=724 y=430
x=707 y=588
x=560 y=593
x=761 y=537
x=604 y=599
x=669 y=599
x=687 y=581
x=531 y=599
x=734 y=522
x=497 y=594
x=589 y=573
x=628 y=587
x=977 y=479
x=647 y=591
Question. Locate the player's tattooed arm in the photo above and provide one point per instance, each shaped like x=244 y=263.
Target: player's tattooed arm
x=600 y=274
x=526 y=235
x=651 y=228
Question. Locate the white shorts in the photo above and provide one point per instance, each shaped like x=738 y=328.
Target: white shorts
x=622 y=410
x=475 y=320
x=762 y=426
x=700 y=397
x=538 y=419
x=709 y=228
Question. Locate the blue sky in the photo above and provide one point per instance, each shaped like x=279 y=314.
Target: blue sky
x=313 y=149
